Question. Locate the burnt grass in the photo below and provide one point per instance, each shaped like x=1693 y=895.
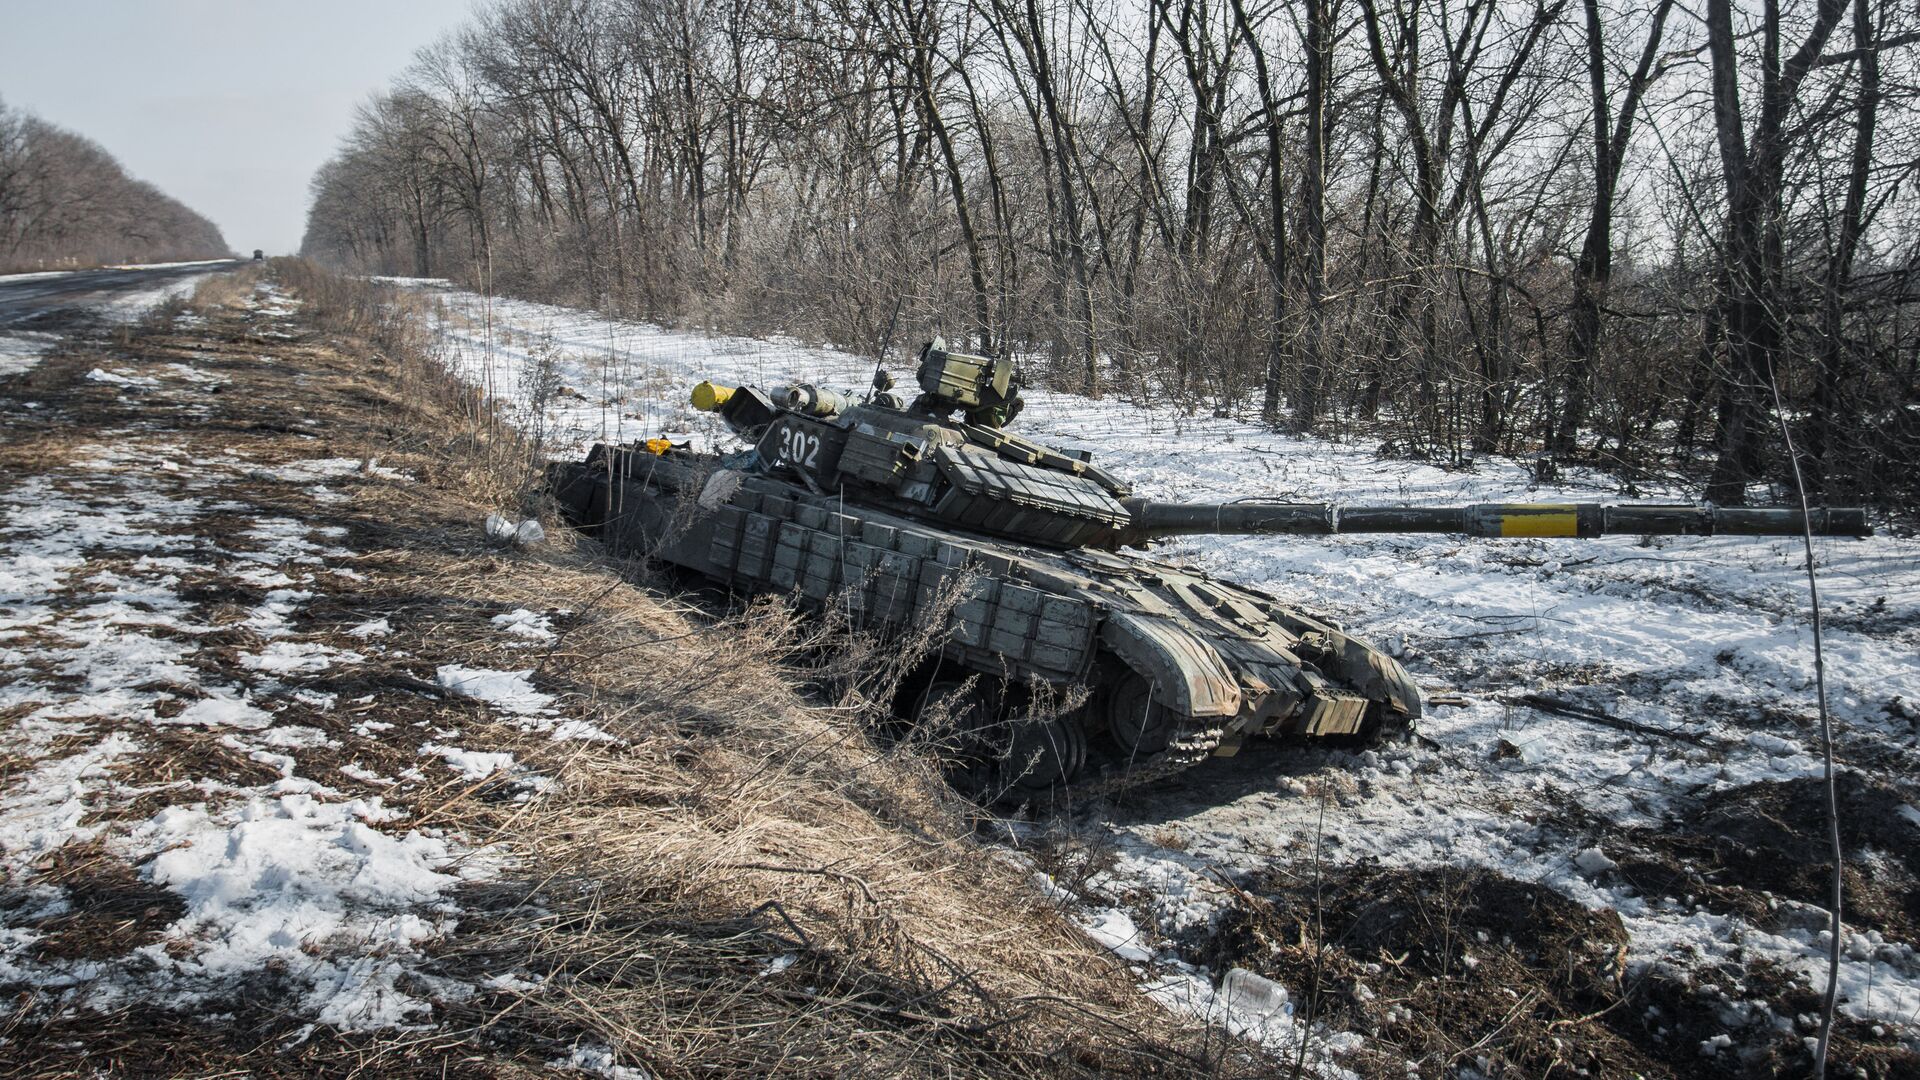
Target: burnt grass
x=1446 y=968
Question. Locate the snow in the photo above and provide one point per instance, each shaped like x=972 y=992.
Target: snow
x=21 y=350
x=298 y=658
x=1703 y=635
x=471 y=764
x=508 y=691
x=107 y=657
x=1591 y=861
x=44 y=810
x=112 y=378
x=220 y=711
x=1254 y=1008
x=288 y=876
x=596 y=1060
x=525 y=624
x=1115 y=931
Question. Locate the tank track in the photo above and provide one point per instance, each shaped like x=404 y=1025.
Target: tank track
x=1185 y=750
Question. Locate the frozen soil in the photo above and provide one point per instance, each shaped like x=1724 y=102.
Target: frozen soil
x=1748 y=848
x=208 y=790
x=1688 y=815
x=1458 y=968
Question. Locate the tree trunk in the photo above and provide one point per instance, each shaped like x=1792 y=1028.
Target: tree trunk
x=1752 y=301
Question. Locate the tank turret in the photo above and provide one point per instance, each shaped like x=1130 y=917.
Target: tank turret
x=932 y=513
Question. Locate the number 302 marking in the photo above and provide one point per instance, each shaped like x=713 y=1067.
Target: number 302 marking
x=799 y=447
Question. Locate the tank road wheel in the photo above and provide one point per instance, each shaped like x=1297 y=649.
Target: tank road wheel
x=1044 y=753
x=1385 y=724
x=1140 y=725
x=958 y=716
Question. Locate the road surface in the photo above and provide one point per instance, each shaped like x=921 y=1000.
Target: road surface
x=39 y=301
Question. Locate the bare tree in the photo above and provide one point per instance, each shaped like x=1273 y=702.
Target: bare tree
x=1456 y=227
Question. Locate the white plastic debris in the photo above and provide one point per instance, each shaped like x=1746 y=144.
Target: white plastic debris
x=504 y=530
x=1255 y=999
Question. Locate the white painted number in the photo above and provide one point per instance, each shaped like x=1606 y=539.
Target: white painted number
x=799 y=447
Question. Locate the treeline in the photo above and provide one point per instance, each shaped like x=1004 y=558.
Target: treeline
x=1591 y=228
x=65 y=203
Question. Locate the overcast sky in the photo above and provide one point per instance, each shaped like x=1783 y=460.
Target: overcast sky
x=227 y=105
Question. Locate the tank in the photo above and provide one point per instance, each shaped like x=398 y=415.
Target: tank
x=1061 y=662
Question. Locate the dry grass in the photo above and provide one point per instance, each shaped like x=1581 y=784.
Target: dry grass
x=747 y=884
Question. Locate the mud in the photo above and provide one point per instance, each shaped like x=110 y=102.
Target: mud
x=1448 y=970
x=1747 y=847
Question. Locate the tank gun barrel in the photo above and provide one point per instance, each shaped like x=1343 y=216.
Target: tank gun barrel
x=1151 y=520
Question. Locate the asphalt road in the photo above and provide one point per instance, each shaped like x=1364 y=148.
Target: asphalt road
x=36 y=302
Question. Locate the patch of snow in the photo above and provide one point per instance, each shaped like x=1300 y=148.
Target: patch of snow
x=508 y=691
x=598 y=1061
x=270 y=618
x=222 y=711
x=283 y=881
x=21 y=350
x=365 y=775
x=526 y=624
x=297 y=658
x=1591 y=861
x=44 y=809
x=101 y=375
x=1116 y=932
x=471 y=764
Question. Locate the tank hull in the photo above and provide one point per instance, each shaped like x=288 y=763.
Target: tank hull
x=1175 y=666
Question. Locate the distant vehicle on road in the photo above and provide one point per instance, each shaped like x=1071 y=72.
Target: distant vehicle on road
x=259 y=256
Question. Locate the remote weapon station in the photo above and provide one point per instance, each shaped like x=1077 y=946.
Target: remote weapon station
x=931 y=514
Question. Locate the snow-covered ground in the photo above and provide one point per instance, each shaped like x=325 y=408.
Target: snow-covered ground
x=1706 y=636
x=168 y=654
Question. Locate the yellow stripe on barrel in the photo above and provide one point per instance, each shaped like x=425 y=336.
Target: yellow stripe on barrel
x=1539 y=519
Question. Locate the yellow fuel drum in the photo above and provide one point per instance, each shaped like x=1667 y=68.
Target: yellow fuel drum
x=708 y=396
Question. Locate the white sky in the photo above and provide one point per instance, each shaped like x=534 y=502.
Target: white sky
x=227 y=105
